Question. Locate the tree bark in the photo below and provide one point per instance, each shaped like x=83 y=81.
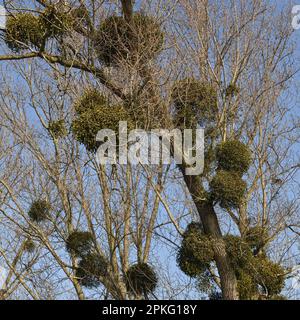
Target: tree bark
x=127 y=7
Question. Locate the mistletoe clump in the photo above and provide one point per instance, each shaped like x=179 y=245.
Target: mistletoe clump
x=139 y=39
x=257 y=275
x=261 y=277
x=238 y=251
x=86 y=126
x=228 y=189
x=39 y=210
x=233 y=155
x=29 y=245
x=91 y=99
x=194 y=101
x=199 y=243
x=24 y=30
x=196 y=251
x=232 y=90
x=91 y=269
x=80 y=243
x=56 y=21
x=270 y=276
x=57 y=129
x=256 y=237
x=93 y=114
x=140 y=278
x=189 y=264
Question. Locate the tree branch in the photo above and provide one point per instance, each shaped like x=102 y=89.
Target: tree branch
x=69 y=64
x=127 y=8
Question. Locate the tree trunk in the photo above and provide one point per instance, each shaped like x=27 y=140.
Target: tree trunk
x=211 y=227
x=127 y=7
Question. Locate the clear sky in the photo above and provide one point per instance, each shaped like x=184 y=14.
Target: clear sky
x=2 y=17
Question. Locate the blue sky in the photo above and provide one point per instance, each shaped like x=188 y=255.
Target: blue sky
x=2 y=17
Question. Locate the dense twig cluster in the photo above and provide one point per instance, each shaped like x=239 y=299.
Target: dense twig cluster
x=140 y=279
x=39 y=210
